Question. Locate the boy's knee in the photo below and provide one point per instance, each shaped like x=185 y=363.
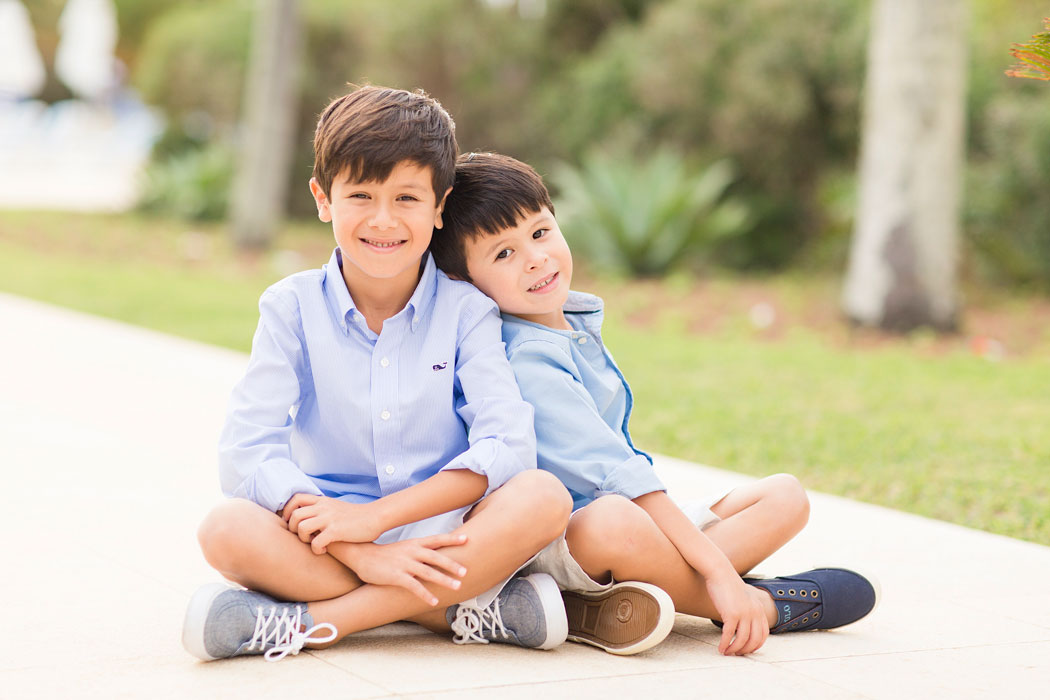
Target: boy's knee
x=220 y=531
x=545 y=496
x=611 y=523
x=787 y=491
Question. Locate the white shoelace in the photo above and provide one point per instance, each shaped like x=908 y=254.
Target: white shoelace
x=471 y=621
x=281 y=633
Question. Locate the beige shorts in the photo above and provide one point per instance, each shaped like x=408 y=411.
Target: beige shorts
x=555 y=559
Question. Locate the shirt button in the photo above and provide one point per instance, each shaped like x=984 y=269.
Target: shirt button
x=582 y=339
x=384 y=362
x=385 y=415
x=389 y=469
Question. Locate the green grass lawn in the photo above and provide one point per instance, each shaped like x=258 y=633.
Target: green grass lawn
x=922 y=423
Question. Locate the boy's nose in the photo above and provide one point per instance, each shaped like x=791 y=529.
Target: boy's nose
x=537 y=259
x=382 y=219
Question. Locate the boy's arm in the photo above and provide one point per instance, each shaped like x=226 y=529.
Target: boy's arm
x=590 y=458
x=500 y=433
x=740 y=605
x=499 y=423
x=254 y=454
x=321 y=521
x=573 y=440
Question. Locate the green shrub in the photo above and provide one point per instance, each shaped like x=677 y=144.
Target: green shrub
x=1007 y=204
x=646 y=215
x=772 y=84
x=190 y=184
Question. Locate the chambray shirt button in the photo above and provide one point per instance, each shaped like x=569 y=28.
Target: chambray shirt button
x=582 y=339
x=385 y=415
x=384 y=362
x=389 y=469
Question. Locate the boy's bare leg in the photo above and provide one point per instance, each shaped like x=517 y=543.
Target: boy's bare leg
x=614 y=537
x=505 y=530
x=758 y=519
x=252 y=546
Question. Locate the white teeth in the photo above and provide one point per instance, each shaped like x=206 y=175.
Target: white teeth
x=380 y=244
x=542 y=284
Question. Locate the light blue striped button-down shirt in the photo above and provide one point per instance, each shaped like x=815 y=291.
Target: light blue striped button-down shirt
x=583 y=404
x=329 y=407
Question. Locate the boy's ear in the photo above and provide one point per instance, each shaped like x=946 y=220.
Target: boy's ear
x=438 y=223
x=324 y=209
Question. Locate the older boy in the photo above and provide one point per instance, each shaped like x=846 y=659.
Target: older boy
x=501 y=234
x=379 y=452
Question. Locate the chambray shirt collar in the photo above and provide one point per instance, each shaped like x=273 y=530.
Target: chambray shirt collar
x=588 y=308
x=339 y=298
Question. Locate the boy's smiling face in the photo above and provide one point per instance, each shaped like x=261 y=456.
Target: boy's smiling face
x=382 y=228
x=526 y=269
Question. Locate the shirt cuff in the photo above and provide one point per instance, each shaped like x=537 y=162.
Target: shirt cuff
x=631 y=479
x=272 y=485
x=492 y=459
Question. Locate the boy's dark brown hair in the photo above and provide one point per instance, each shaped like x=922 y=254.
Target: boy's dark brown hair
x=369 y=131
x=492 y=192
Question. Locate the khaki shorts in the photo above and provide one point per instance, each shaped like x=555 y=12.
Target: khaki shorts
x=555 y=559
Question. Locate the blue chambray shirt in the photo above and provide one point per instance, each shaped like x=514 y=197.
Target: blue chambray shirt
x=582 y=402
x=329 y=407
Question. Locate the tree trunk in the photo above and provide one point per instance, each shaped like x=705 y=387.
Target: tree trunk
x=903 y=257
x=266 y=145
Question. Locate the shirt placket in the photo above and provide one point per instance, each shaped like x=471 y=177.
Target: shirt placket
x=393 y=474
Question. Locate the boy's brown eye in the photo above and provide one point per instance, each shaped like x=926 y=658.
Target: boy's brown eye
x=503 y=254
x=538 y=233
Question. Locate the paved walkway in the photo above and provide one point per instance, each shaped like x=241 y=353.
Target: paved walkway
x=108 y=435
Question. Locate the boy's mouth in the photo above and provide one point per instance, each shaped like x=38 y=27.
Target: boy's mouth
x=545 y=285
x=382 y=245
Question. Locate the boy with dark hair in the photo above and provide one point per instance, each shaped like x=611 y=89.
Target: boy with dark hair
x=378 y=453
x=501 y=235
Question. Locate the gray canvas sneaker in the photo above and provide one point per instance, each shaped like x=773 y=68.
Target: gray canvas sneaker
x=222 y=622
x=528 y=612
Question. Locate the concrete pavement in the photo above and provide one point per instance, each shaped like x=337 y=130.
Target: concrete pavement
x=108 y=435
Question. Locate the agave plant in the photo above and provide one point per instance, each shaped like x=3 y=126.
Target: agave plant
x=646 y=215
x=1034 y=56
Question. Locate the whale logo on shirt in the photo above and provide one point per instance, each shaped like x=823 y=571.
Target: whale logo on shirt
x=438 y=368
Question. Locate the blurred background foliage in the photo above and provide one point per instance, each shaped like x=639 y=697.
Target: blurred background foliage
x=772 y=87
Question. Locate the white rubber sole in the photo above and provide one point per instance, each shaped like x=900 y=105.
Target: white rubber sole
x=553 y=609
x=659 y=632
x=196 y=615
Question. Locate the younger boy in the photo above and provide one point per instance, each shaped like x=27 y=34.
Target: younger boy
x=501 y=235
x=379 y=454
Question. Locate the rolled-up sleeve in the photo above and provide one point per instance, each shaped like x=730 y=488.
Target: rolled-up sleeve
x=254 y=452
x=499 y=423
x=573 y=441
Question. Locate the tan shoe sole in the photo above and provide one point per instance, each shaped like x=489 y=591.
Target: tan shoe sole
x=627 y=618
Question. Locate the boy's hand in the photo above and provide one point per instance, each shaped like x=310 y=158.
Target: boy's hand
x=319 y=521
x=408 y=563
x=745 y=627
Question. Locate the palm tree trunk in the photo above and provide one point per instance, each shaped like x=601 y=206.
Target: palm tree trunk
x=267 y=142
x=903 y=257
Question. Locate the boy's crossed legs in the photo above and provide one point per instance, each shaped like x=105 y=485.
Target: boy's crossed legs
x=254 y=548
x=615 y=538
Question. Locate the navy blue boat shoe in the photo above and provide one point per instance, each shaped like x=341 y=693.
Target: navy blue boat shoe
x=820 y=599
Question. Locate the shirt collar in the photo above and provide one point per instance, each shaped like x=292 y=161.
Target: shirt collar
x=587 y=308
x=335 y=290
x=423 y=297
x=582 y=303
x=339 y=296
